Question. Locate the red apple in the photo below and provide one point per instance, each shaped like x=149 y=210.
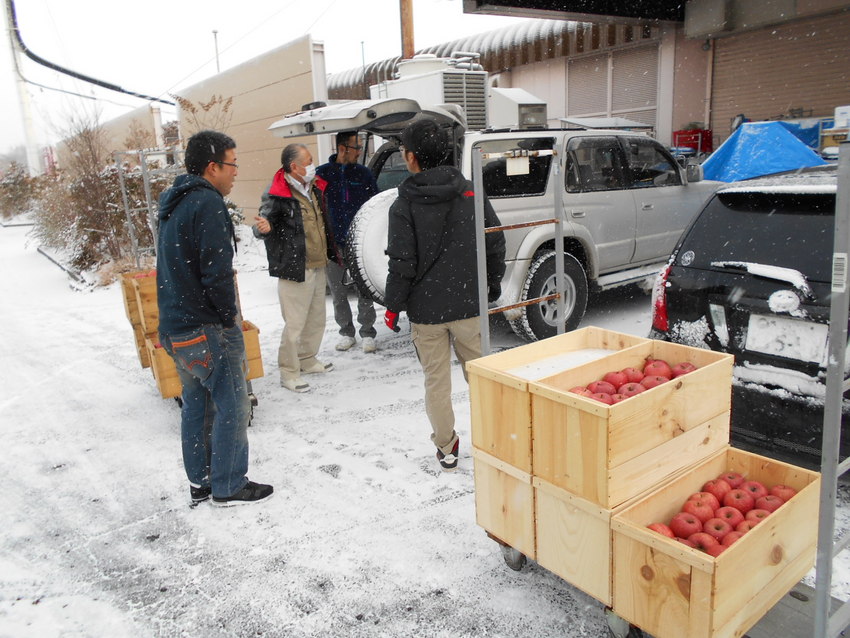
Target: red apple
x=684 y=524
x=703 y=541
x=580 y=389
x=713 y=501
x=740 y=499
x=658 y=368
x=730 y=515
x=683 y=368
x=616 y=378
x=783 y=491
x=770 y=503
x=630 y=389
x=731 y=537
x=701 y=509
x=717 y=527
x=756 y=516
x=733 y=478
x=652 y=380
x=618 y=397
x=633 y=374
x=718 y=487
x=661 y=528
x=716 y=550
x=755 y=488
x=685 y=541
x=745 y=526
x=602 y=387
x=602 y=397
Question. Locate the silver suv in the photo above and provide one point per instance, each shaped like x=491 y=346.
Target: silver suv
x=625 y=203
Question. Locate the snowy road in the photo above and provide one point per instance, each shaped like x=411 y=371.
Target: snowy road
x=364 y=537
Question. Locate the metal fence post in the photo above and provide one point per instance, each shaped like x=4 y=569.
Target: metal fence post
x=481 y=250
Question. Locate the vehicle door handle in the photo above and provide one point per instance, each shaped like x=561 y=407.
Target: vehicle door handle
x=646 y=206
x=576 y=213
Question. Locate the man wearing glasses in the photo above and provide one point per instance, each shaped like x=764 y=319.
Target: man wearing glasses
x=349 y=185
x=200 y=326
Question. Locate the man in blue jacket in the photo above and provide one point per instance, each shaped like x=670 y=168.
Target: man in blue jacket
x=349 y=185
x=200 y=326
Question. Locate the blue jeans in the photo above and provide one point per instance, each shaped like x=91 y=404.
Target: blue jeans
x=216 y=407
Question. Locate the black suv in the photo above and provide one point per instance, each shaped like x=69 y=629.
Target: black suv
x=752 y=277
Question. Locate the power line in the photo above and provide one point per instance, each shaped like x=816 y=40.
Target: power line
x=13 y=19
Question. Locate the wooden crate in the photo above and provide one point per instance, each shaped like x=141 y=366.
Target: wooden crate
x=128 y=293
x=610 y=454
x=164 y=370
x=504 y=502
x=670 y=590
x=500 y=402
x=141 y=347
x=145 y=291
x=251 y=333
x=574 y=539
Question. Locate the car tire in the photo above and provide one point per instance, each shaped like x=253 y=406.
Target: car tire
x=539 y=321
x=366 y=246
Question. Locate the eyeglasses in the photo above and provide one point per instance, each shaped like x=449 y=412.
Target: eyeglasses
x=228 y=164
x=356 y=148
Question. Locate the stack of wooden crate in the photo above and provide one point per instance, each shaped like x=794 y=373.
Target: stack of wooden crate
x=140 y=305
x=572 y=483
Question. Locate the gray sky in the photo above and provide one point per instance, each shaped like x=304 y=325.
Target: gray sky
x=159 y=46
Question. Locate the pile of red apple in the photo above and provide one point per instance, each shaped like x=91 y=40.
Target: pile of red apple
x=726 y=509
x=620 y=385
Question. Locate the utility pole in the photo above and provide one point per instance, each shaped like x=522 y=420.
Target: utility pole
x=215 y=41
x=33 y=160
x=406 y=14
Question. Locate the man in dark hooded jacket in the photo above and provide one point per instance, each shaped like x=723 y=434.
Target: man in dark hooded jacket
x=200 y=326
x=433 y=271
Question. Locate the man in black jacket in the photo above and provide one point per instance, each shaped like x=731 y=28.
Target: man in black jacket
x=200 y=326
x=433 y=271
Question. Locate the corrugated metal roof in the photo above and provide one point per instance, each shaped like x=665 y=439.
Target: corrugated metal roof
x=501 y=49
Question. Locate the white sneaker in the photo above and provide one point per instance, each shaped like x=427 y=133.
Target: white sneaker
x=317 y=368
x=296 y=385
x=345 y=343
x=369 y=345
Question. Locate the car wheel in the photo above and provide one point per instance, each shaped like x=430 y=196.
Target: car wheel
x=540 y=320
x=366 y=256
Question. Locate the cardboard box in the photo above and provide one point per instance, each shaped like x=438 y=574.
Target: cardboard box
x=670 y=590
x=610 y=454
x=504 y=502
x=499 y=387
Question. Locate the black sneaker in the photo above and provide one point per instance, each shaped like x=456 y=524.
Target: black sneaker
x=448 y=461
x=251 y=493
x=199 y=494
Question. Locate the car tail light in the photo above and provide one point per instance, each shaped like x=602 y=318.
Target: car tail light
x=659 y=302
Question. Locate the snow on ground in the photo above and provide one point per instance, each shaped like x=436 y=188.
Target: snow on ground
x=364 y=536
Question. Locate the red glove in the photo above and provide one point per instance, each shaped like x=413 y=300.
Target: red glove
x=391 y=319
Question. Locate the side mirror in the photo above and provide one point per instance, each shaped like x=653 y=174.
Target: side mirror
x=693 y=172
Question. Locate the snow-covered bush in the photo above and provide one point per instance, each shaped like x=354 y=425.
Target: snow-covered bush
x=17 y=191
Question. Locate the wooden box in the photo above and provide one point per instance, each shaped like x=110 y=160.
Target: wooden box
x=504 y=502
x=610 y=454
x=131 y=309
x=164 y=370
x=499 y=387
x=145 y=291
x=670 y=590
x=574 y=539
x=251 y=333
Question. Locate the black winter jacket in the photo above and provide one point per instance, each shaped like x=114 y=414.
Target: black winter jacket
x=431 y=247
x=195 y=247
x=286 y=247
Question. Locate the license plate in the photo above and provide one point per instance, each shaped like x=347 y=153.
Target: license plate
x=789 y=338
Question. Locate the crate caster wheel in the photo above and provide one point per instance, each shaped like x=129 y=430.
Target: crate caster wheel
x=514 y=558
x=179 y=401
x=619 y=627
x=253 y=398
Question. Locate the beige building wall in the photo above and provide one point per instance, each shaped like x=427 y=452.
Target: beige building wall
x=691 y=96
x=263 y=90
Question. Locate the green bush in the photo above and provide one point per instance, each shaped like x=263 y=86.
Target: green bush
x=17 y=191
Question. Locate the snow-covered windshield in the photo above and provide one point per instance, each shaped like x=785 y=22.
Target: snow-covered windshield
x=774 y=230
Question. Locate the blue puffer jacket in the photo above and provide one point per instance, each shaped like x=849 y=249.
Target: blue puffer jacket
x=195 y=248
x=349 y=186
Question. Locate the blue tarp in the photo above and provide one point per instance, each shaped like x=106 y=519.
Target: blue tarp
x=756 y=149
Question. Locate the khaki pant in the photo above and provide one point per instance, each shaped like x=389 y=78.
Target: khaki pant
x=433 y=344
x=302 y=305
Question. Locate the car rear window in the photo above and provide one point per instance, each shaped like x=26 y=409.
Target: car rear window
x=791 y=230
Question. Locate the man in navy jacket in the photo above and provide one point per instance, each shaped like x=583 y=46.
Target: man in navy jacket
x=200 y=325
x=349 y=185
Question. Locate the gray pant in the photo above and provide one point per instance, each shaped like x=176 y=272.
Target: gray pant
x=342 y=309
